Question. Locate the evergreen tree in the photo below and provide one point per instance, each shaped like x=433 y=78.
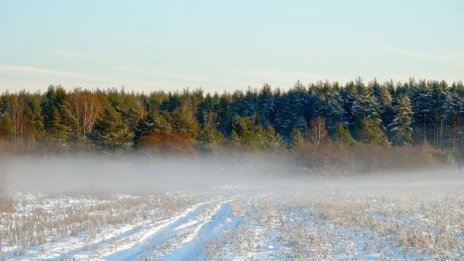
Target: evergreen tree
x=205 y=109
x=401 y=125
x=57 y=130
x=384 y=100
x=225 y=115
x=184 y=123
x=301 y=124
x=69 y=121
x=440 y=94
x=35 y=124
x=248 y=107
x=285 y=115
x=341 y=135
x=421 y=100
x=111 y=131
x=52 y=100
x=296 y=139
x=259 y=119
x=210 y=138
x=349 y=94
x=331 y=108
x=266 y=106
x=272 y=140
x=291 y=110
x=370 y=132
x=6 y=126
x=365 y=106
x=62 y=125
x=243 y=131
x=154 y=122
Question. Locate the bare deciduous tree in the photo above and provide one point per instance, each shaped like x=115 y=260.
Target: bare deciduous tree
x=16 y=106
x=87 y=108
x=317 y=130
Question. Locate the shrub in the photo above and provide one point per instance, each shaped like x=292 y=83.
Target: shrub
x=166 y=143
x=330 y=158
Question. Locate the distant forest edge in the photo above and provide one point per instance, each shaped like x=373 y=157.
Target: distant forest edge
x=420 y=122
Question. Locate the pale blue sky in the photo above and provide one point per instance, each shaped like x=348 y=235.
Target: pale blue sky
x=226 y=45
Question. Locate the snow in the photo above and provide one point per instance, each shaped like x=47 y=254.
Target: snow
x=235 y=224
x=155 y=235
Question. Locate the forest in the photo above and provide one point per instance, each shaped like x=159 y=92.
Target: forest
x=387 y=115
x=323 y=171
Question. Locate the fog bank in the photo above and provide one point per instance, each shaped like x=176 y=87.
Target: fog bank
x=143 y=174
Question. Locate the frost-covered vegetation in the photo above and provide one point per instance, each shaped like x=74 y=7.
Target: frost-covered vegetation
x=363 y=218
x=380 y=114
x=6 y=202
x=235 y=206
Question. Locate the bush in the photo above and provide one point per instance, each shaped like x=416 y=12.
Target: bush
x=330 y=158
x=166 y=143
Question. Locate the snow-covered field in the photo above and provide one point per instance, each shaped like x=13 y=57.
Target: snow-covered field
x=324 y=222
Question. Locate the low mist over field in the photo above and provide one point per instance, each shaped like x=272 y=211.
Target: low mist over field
x=145 y=174
x=228 y=206
x=141 y=174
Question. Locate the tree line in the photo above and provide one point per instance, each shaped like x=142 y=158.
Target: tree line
x=384 y=114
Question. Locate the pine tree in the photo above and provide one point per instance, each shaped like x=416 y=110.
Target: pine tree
x=265 y=116
x=296 y=139
x=266 y=106
x=111 y=131
x=370 y=132
x=331 y=108
x=225 y=115
x=243 y=131
x=384 y=100
x=6 y=126
x=285 y=114
x=154 y=122
x=440 y=93
x=184 y=123
x=53 y=99
x=210 y=138
x=291 y=109
x=69 y=121
x=421 y=100
x=35 y=124
x=57 y=130
x=401 y=125
x=301 y=124
x=272 y=140
x=341 y=135
x=205 y=109
x=366 y=106
x=349 y=95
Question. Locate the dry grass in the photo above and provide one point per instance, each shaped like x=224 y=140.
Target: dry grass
x=411 y=221
x=44 y=218
x=423 y=222
x=6 y=202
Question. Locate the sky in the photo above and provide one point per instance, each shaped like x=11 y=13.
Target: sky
x=149 y=45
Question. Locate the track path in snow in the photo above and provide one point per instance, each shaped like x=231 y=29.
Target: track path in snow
x=183 y=236
x=210 y=228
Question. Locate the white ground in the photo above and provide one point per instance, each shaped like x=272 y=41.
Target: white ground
x=393 y=222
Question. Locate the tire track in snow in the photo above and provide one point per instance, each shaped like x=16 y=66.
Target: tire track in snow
x=204 y=233
x=156 y=235
x=81 y=249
